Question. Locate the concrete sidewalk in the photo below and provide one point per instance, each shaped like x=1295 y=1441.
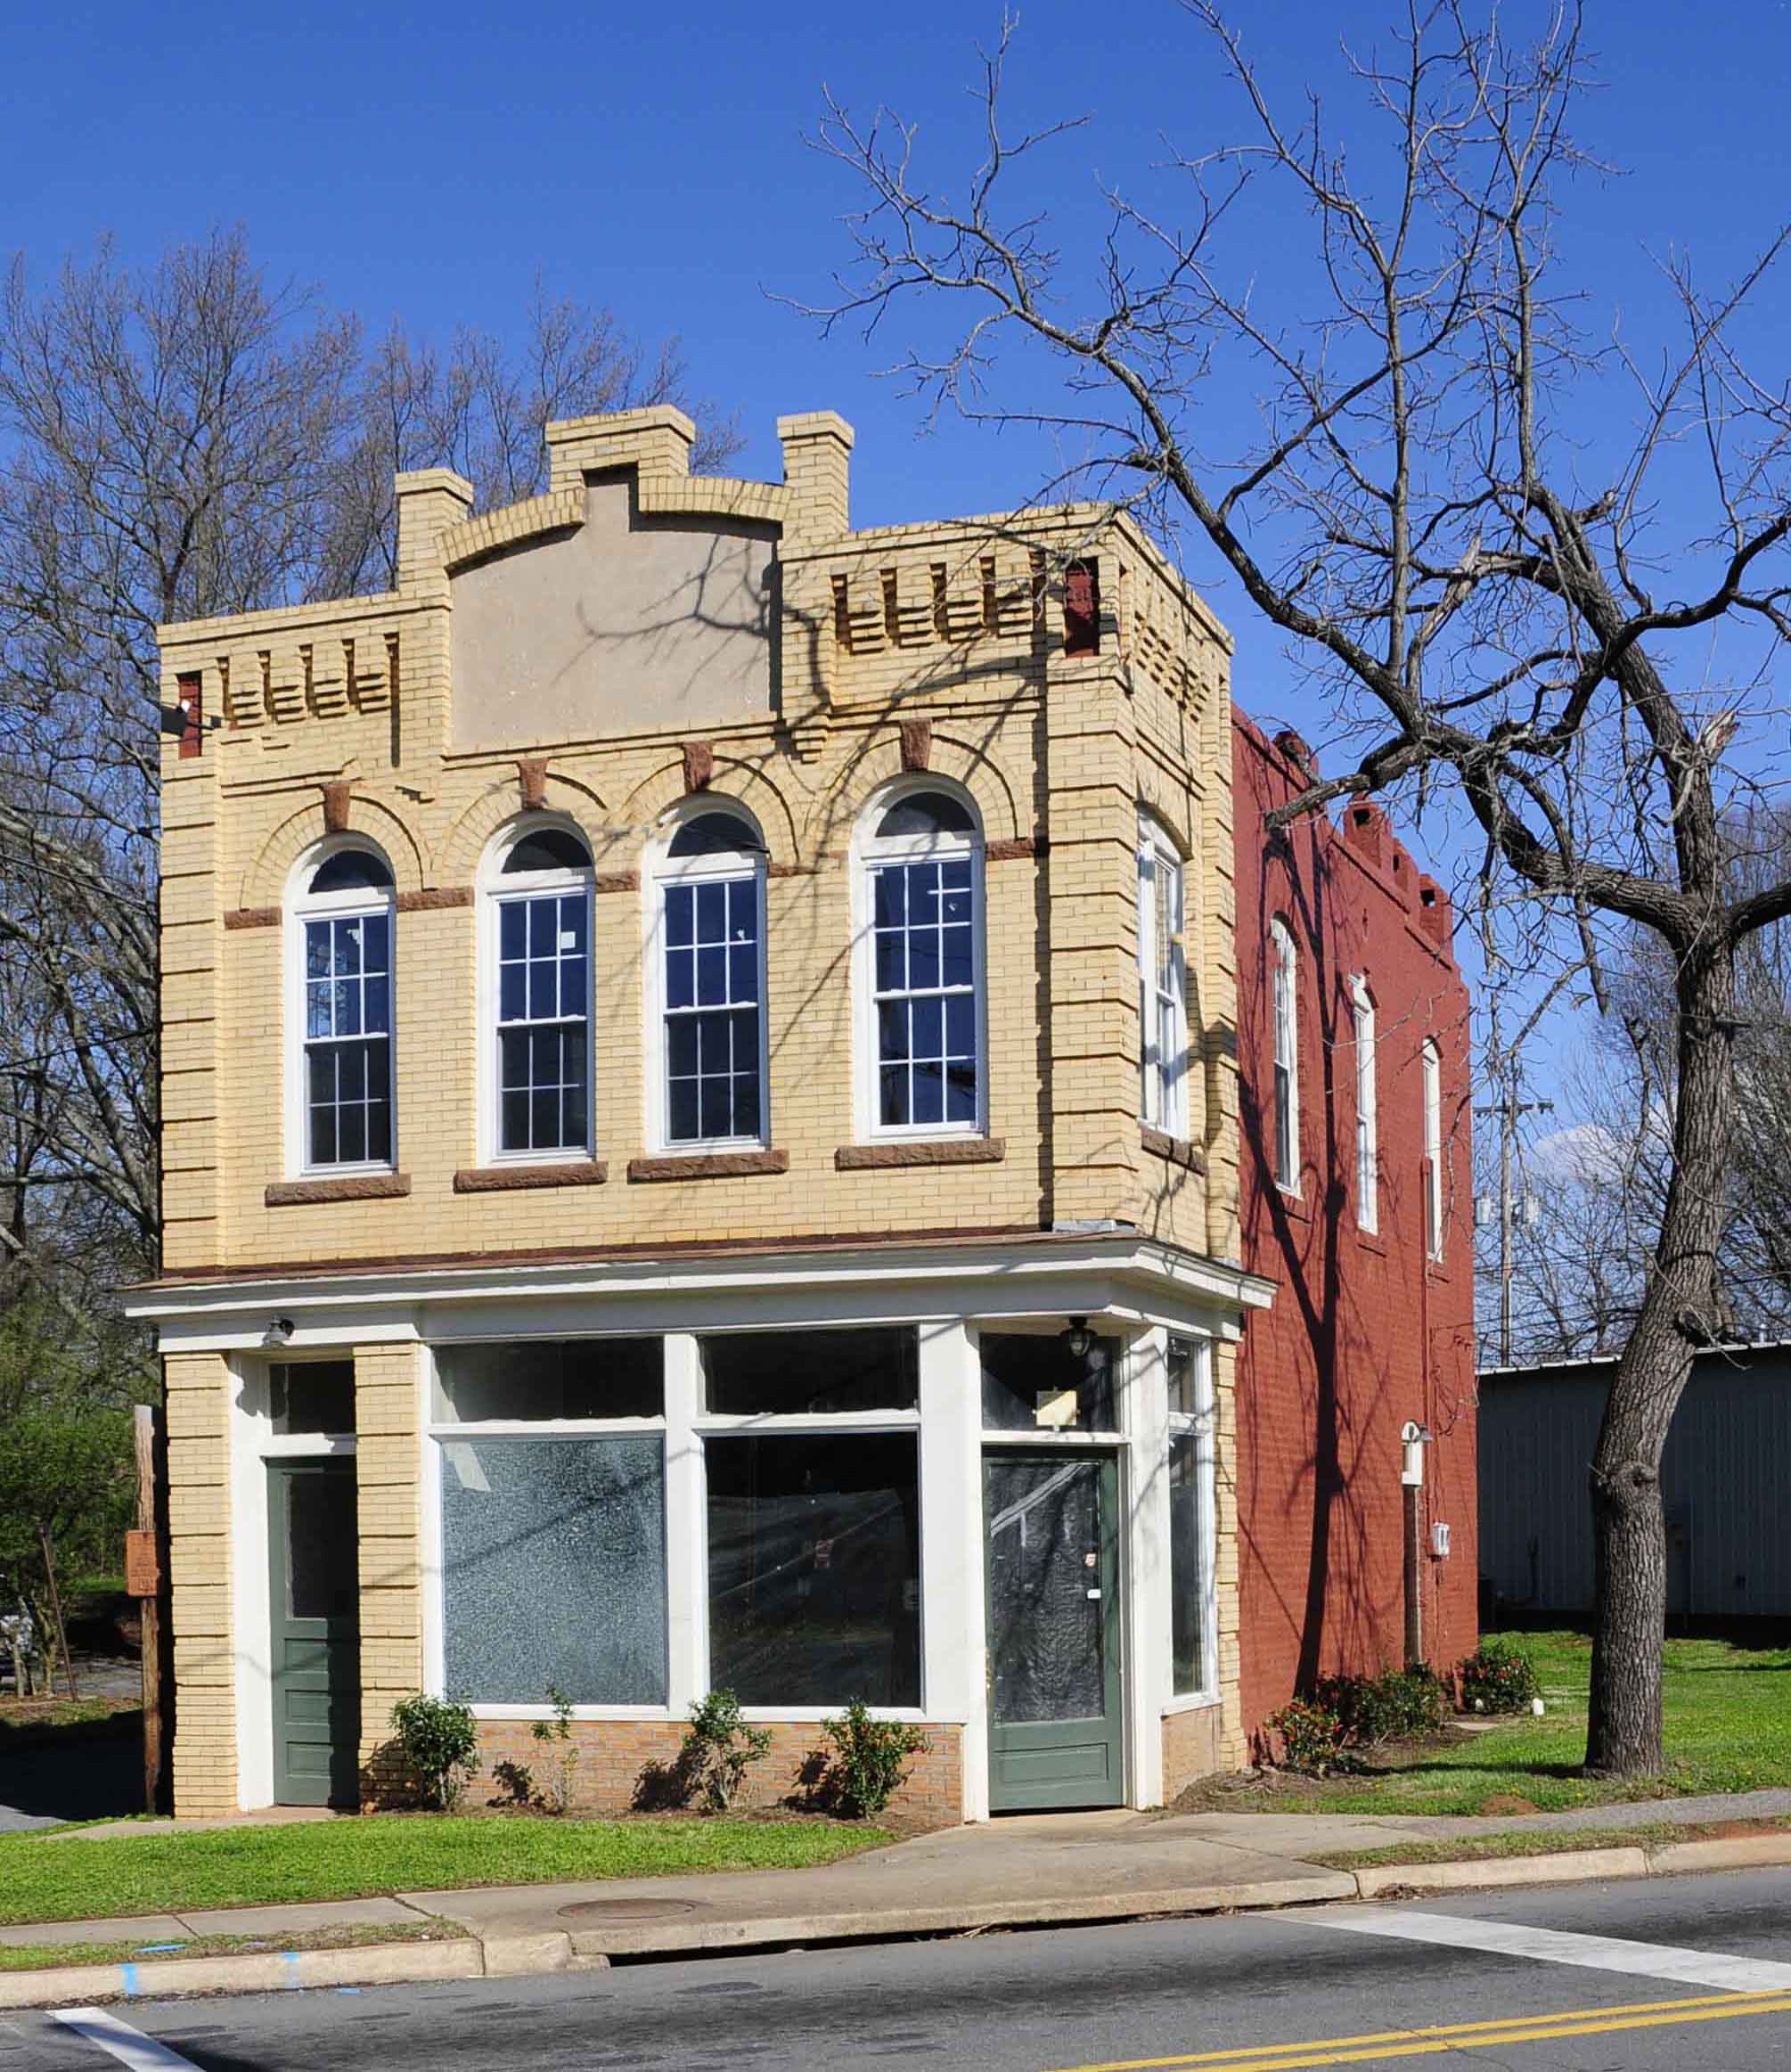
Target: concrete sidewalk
x=1035 y=1871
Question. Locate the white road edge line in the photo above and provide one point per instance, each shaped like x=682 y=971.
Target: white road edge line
x=1557 y=1947
x=129 y=2046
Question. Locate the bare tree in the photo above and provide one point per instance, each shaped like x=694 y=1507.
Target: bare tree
x=174 y=442
x=1412 y=504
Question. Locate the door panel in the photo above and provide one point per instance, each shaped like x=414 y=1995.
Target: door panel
x=313 y=1541
x=1055 y=1701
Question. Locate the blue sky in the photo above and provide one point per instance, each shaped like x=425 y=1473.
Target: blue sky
x=426 y=160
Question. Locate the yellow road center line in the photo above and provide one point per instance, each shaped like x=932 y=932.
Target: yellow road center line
x=1587 y=2021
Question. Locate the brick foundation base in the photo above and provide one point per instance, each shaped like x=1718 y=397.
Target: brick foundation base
x=613 y=1754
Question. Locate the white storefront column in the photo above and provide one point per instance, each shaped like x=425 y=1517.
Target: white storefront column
x=1145 y=1415
x=686 y=1552
x=951 y=1547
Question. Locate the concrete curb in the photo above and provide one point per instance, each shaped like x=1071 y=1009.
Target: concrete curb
x=533 y=1953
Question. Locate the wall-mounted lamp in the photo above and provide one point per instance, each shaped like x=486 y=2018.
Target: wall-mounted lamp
x=279 y=1332
x=1414 y=1439
x=1077 y=1338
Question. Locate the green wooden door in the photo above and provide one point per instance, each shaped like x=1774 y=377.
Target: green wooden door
x=313 y=1543
x=1055 y=1708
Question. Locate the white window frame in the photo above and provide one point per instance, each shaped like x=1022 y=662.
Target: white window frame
x=440 y=1434
x=1163 y=1090
x=1201 y=1425
x=870 y=852
x=300 y=906
x=664 y=870
x=1430 y=1076
x=1284 y=997
x=494 y=889
x=1367 y=1108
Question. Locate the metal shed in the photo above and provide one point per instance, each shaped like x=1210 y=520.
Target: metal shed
x=1725 y=1477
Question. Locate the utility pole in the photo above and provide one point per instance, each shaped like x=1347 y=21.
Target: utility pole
x=1510 y=1111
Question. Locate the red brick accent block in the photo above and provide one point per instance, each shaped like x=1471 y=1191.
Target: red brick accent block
x=433 y=898
x=252 y=917
x=336 y=808
x=1011 y=848
x=531 y=777
x=353 y=1187
x=1160 y=1144
x=699 y=765
x=709 y=1166
x=946 y=1151
x=613 y=1753
x=616 y=881
x=505 y=1179
x=917 y=743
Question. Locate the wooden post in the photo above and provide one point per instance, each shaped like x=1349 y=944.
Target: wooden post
x=56 y=1612
x=148 y=1605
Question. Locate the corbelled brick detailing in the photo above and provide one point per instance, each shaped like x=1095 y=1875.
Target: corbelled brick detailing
x=942 y=1151
x=507 y=1179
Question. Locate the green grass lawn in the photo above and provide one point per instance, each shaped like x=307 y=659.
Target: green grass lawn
x=1727 y=1729
x=69 y=1879
x=53 y=1956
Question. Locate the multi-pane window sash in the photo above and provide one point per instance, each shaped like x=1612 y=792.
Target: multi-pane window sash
x=1162 y=1008
x=348 y=1038
x=924 y=993
x=713 y=977
x=1367 y=1111
x=1286 y=1057
x=1431 y=1070
x=544 y=1028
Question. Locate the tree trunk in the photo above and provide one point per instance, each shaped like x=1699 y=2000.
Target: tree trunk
x=1623 y=1732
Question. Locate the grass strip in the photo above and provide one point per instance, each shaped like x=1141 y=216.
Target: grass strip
x=51 y=1957
x=69 y=1878
x=1533 y=1842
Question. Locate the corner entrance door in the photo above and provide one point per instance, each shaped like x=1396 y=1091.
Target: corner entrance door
x=313 y=1542
x=1055 y=1705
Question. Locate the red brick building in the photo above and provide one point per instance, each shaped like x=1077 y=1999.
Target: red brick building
x=1356 y=1197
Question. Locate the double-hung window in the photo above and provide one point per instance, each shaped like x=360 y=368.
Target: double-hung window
x=1162 y=983
x=1284 y=1004
x=709 y=919
x=538 y=948
x=1430 y=1068
x=343 y=946
x=1191 y=1624
x=922 y=961
x=1367 y=1109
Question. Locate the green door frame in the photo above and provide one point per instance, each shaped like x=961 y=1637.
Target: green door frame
x=1056 y=1764
x=314 y=1663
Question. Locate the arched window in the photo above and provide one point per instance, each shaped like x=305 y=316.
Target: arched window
x=1367 y=1109
x=535 y=947
x=339 y=959
x=920 y=959
x=1430 y=1066
x=706 y=917
x=1284 y=971
x=1162 y=982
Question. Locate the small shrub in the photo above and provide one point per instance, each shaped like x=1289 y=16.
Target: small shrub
x=1497 y=1678
x=719 y=1748
x=563 y=1778
x=1372 y=1710
x=870 y=1759
x=439 y=1738
x=1312 y=1737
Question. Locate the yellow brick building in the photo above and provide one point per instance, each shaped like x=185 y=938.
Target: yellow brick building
x=700 y=1140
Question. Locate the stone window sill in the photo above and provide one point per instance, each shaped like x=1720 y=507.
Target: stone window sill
x=708 y=1166
x=507 y=1179
x=934 y=1151
x=1177 y=1151
x=351 y=1187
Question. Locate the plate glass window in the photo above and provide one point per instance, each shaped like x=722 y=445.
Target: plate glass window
x=1190 y=1517
x=542 y=904
x=345 y=923
x=923 y=893
x=711 y=972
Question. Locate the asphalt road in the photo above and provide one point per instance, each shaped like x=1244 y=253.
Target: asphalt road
x=1650 y=1976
